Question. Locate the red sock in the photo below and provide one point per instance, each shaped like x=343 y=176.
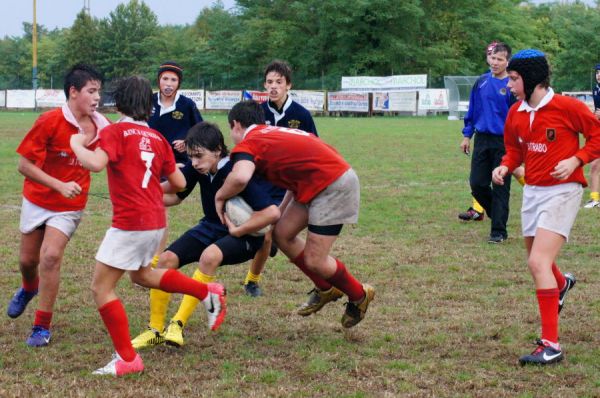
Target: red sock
x=43 y=319
x=343 y=280
x=31 y=286
x=175 y=282
x=548 y=303
x=560 y=278
x=115 y=319
x=319 y=282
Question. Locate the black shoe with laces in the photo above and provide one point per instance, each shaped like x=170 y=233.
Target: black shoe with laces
x=571 y=281
x=496 y=238
x=252 y=289
x=542 y=355
x=471 y=215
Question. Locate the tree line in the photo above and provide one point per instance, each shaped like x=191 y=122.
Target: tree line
x=321 y=39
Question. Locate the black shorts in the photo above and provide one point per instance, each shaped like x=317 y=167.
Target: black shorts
x=192 y=243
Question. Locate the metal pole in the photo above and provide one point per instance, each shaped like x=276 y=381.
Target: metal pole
x=34 y=68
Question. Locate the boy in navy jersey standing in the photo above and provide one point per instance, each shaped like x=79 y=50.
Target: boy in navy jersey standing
x=280 y=110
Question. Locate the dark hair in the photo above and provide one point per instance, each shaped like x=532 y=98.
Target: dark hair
x=247 y=113
x=280 y=67
x=133 y=97
x=207 y=136
x=500 y=47
x=79 y=75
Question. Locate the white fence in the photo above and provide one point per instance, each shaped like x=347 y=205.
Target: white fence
x=393 y=101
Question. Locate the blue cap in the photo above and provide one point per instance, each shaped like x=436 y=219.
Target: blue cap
x=528 y=53
x=597 y=66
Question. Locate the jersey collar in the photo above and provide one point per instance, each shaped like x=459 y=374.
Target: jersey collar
x=127 y=119
x=97 y=118
x=547 y=98
x=248 y=130
x=164 y=110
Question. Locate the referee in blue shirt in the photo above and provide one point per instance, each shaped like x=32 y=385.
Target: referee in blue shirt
x=489 y=103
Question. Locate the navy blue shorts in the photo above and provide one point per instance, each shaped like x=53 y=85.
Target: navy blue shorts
x=189 y=246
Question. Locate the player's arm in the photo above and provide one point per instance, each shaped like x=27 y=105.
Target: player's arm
x=257 y=221
x=235 y=183
x=92 y=160
x=28 y=168
x=174 y=183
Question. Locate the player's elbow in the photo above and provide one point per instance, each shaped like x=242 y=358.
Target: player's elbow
x=177 y=181
x=272 y=214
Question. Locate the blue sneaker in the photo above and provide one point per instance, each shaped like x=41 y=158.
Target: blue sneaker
x=40 y=337
x=19 y=302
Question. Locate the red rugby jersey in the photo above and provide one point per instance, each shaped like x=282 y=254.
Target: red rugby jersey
x=48 y=146
x=138 y=157
x=292 y=159
x=552 y=137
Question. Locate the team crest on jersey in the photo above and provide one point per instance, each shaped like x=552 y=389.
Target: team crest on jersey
x=177 y=115
x=551 y=134
x=294 y=124
x=145 y=144
x=503 y=91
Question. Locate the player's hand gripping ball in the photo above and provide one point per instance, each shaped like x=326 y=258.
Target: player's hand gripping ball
x=239 y=211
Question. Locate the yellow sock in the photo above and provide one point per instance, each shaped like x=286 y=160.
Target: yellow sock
x=189 y=303
x=595 y=196
x=159 y=302
x=476 y=206
x=521 y=180
x=250 y=277
x=154 y=261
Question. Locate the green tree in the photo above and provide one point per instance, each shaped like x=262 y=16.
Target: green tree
x=577 y=29
x=128 y=40
x=80 y=42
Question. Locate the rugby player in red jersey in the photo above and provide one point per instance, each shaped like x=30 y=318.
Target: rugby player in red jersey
x=323 y=194
x=55 y=193
x=136 y=157
x=542 y=131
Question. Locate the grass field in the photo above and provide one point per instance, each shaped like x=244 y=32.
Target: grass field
x=451 y=316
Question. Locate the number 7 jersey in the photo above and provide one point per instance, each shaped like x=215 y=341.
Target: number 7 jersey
x=138 y=157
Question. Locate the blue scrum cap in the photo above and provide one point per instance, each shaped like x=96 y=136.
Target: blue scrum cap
x=533 y=67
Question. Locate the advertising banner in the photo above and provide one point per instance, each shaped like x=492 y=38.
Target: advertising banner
x=346 y=101
x=381 y=83
x=50 y=98
x=195 y=95
x=311 y=100
x=224 y=99
x=433 y=99
x=395 y=101
x=20 y=99
x=258 y=96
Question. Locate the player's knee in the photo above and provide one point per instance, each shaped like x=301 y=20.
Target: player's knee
x=211 y=258
x=536 y=267
x=28 y=262
x=50 y=260
x=168 y=259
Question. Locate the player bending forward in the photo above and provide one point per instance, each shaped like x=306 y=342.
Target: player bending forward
x=542 y=131
x=136 y=158
x=323 y=194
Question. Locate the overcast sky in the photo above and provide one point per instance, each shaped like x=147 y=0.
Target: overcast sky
x=61 y=13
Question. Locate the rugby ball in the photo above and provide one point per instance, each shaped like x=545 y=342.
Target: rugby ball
x=239 y=211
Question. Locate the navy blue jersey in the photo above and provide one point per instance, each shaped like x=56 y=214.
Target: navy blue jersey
x=292 y=115
x=596 y=94
x=489 y=103
x=257 y=193
x=175 y=125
